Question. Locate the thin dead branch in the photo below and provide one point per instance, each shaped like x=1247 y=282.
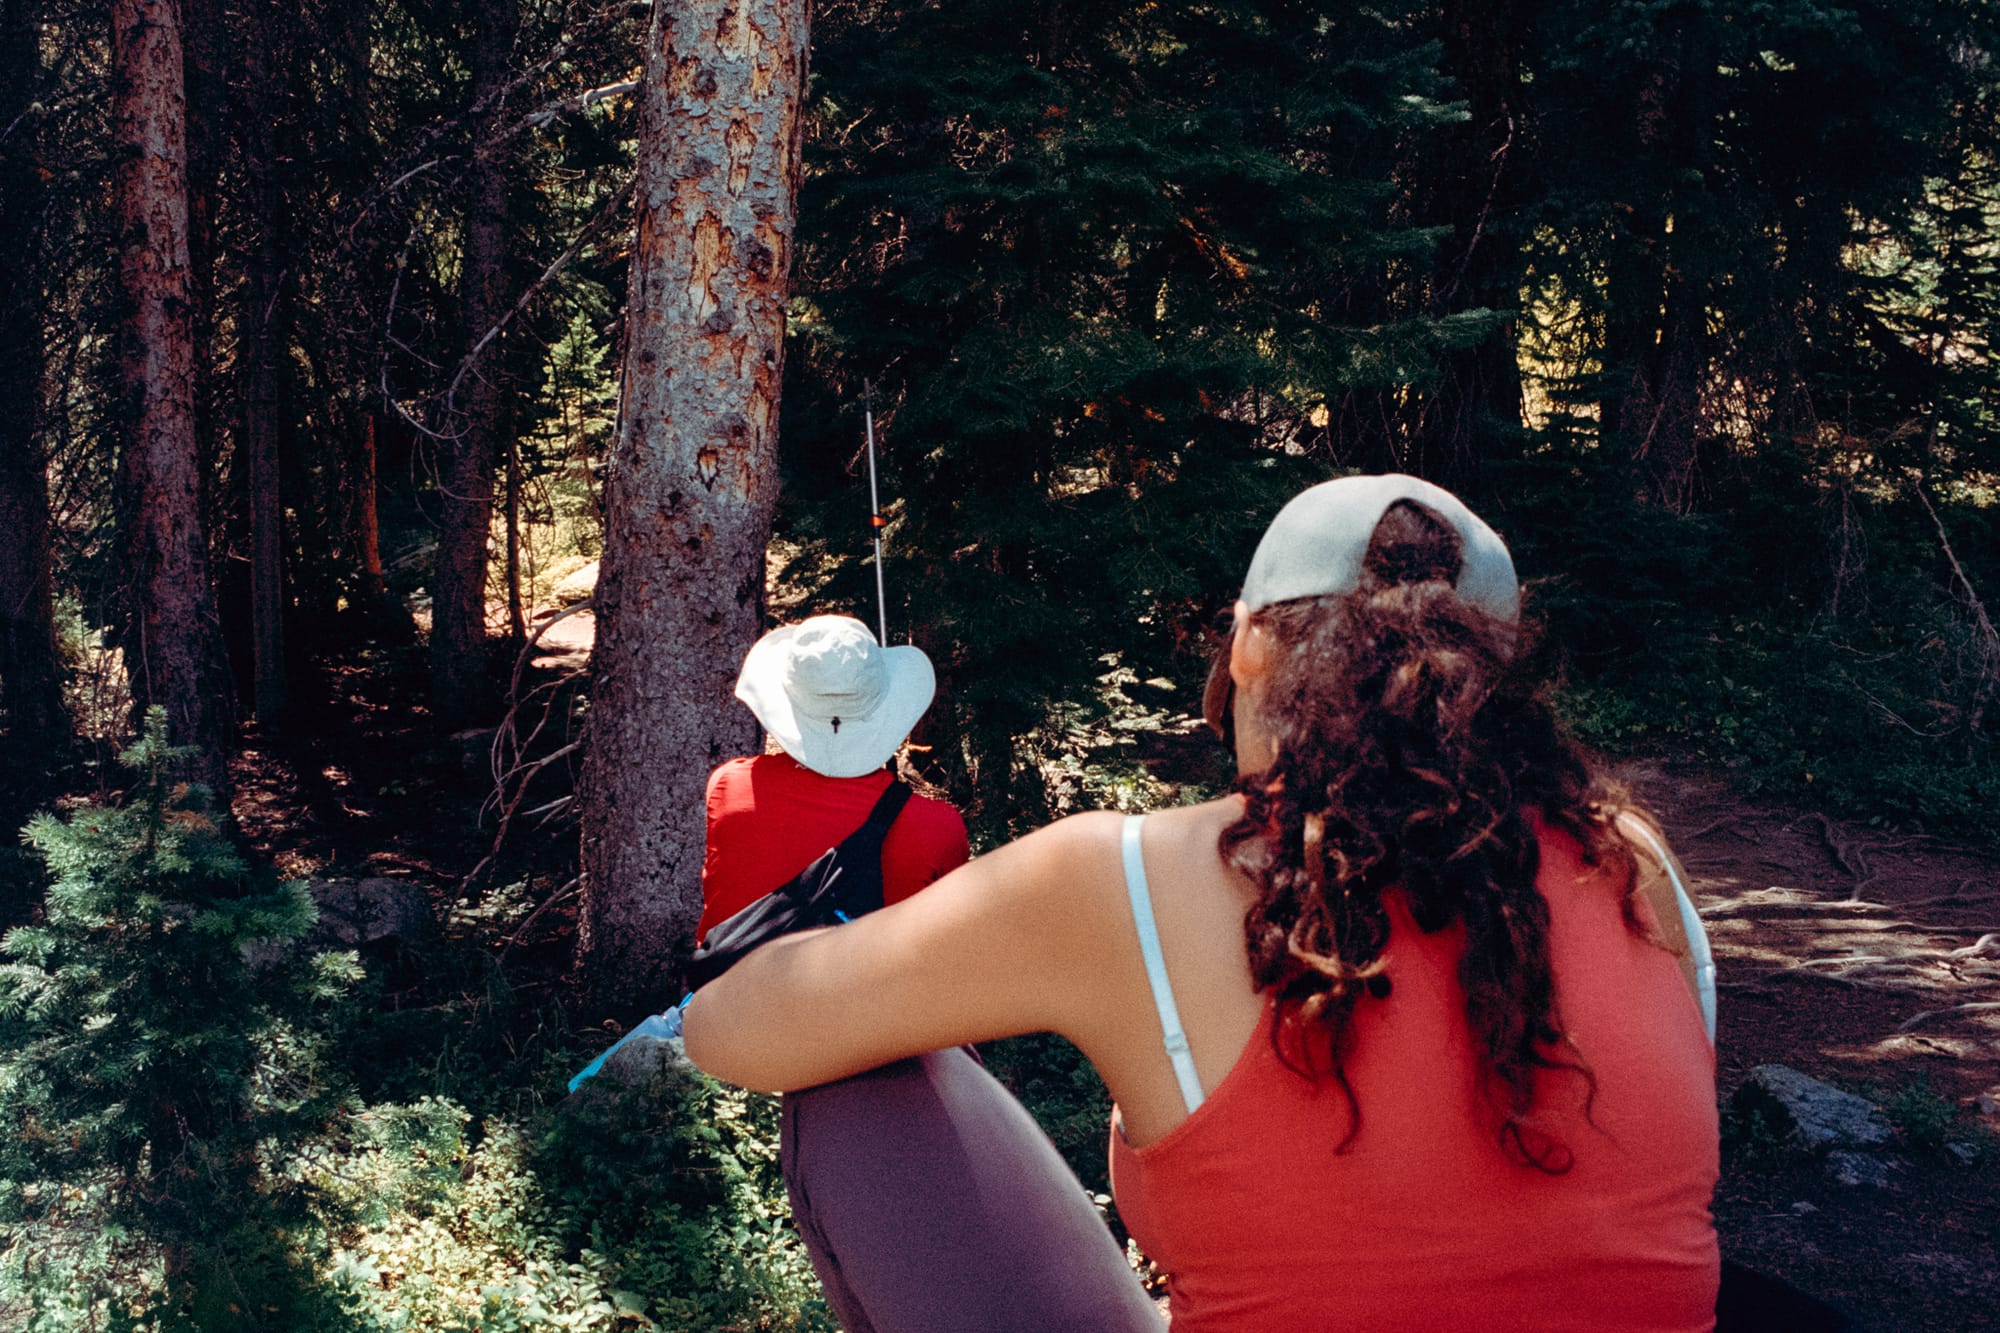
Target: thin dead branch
x=1989 y=677
x=513 y=772
x=548 y=902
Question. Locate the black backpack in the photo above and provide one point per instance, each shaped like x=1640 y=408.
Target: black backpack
x=845 y=882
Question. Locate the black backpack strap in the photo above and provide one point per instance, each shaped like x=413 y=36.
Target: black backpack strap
x=876 y=828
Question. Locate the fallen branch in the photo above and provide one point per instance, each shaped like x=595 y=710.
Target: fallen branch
x=1796 y=908
x=1958 y=897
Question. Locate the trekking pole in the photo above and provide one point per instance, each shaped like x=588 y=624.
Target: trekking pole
x=875 y=519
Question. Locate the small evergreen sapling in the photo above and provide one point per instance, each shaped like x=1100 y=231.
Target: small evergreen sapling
x=144 y=1066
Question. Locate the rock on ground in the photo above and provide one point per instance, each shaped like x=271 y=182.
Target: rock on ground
x=577 y=586
x=1817 y=1116
x=1857 y=1170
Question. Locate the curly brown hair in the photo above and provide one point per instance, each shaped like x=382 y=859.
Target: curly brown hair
x=1415 y=751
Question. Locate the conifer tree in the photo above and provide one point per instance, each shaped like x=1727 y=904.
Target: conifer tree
x=141 y=1053
x=1122 y=274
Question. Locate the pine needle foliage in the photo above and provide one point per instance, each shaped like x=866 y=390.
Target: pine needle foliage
x=143 y=1057
x=1108 y=266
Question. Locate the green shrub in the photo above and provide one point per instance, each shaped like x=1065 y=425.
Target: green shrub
x=144 y=1064
x=654 y=1206
x=1925 y=1118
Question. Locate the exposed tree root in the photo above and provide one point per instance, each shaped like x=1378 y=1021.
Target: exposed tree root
x=1959 y=897
x=1974 y=1006
x=1850 y=856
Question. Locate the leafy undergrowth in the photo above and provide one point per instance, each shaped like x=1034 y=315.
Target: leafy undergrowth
x=210 y=1128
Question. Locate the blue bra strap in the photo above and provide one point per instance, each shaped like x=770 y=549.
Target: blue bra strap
x=1174 y=1039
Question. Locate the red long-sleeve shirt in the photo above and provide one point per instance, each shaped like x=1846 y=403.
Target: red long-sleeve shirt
x=770 y=817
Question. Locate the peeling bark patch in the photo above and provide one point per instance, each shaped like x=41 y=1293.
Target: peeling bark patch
x=708 y=255
x=758 y=256
x=733 y=32
x=740 y=140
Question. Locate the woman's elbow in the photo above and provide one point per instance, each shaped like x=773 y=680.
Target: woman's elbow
x=725 y=1050
x=709 y=1047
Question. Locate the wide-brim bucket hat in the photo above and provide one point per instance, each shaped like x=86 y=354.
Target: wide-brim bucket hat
x=832 y=697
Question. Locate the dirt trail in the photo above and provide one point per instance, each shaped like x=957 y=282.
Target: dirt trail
x=1870 y=960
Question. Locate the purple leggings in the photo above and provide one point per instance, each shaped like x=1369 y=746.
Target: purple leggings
x=931 y=1202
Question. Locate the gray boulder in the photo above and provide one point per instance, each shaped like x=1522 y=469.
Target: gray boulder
x=651 y=1072
x=364 y=913
x=374 y=915
x=1815 y=1116
x=1857 y=1170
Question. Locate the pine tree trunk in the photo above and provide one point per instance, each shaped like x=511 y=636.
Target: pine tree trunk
x=1656 y=330
x=1474 y=187
x=459 y=648
x=261 y=331
x=694 y=470
x=37 y=727
x=205 y=68
x=367 y=520
x=517 y=620
x=169 y=631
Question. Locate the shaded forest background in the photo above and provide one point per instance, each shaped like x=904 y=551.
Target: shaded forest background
x=1695 y=301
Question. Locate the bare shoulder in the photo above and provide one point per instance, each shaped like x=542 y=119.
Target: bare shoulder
x=1184 y=828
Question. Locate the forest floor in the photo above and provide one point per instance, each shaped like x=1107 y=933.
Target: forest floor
x=1861 y=957
x=1855 y=954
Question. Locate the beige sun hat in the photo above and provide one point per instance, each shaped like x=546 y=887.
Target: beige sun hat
x=832 y=697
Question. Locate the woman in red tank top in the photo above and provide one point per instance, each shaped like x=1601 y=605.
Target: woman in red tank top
x=1401 y=1032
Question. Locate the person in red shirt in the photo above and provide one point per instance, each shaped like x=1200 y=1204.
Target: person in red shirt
x=1399 y=1033
x=928 y=1198
x=839 y=706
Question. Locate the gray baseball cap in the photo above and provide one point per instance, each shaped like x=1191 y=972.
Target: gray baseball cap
x=1316 y=544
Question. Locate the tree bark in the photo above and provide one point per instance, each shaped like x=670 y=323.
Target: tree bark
x=205 y=63
x=263 y=326
x=37 y=726
x=367 y=517
x=1474 y=187
x=459 y=648
x=169 y=634
x=1656 y=329
x=694 y=471
x=517 y=620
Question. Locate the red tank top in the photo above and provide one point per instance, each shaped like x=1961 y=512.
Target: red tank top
x=1424 y=1223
